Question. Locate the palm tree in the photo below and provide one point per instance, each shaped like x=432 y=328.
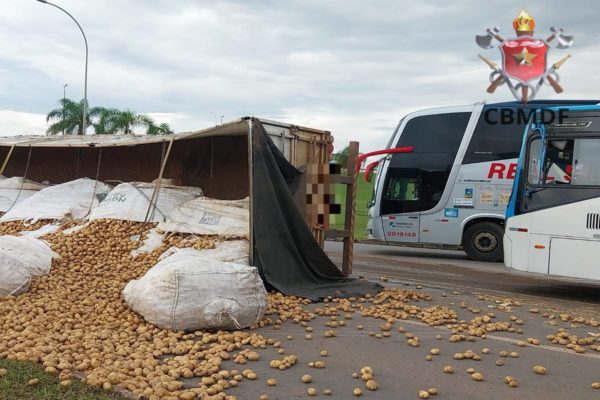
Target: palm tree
x=162 y=129
x=104 y=124
x=104 y=120
x=69 y=117
x=112 y=120
x=125 y=121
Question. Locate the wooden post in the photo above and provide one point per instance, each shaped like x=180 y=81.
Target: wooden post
x=10 y=151
x=350 y=200
x=160 y=175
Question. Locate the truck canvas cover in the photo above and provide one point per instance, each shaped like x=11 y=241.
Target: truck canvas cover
x=285 y=252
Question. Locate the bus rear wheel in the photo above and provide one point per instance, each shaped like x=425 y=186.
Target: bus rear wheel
x=482 y=241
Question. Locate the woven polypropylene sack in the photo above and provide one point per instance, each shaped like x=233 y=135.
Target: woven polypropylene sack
x=206 y=216
x=72 y=200
x=188 y=291
x=22 y=257
x=130 y=202
x=231 y=251
x=15 y=190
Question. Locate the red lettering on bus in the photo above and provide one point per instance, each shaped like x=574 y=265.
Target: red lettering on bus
x=512 y=170
x=499 y=170
x=496 y=168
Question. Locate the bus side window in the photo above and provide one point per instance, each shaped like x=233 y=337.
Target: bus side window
x=493 y=140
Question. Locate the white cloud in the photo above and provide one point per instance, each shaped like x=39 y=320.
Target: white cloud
x=14 y=123
x=348 y=66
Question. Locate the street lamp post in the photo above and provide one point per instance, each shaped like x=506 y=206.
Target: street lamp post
x=64 y=101
x=84 y=116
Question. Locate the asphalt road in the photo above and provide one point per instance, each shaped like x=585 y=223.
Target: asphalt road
x=453 y=269
x=532 y=304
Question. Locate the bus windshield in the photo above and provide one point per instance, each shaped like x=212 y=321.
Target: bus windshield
x=572 y=162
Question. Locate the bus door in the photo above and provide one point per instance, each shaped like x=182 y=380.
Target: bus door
x=400 y=215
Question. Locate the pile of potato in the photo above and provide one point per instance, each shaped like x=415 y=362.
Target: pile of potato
x=74 y=320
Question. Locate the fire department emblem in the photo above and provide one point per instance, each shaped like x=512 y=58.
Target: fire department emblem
x=524 y=59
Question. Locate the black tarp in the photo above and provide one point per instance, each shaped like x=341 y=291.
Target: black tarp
x=285 y=251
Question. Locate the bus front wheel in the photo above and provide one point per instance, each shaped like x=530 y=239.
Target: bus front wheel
x=482 y=241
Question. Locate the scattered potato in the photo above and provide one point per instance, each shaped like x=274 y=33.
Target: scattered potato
x=448 y=369
x=477 y=376
x=540 y=370
x=372 y=384
x=312 y=391
x=423 y=394
x=357 y=392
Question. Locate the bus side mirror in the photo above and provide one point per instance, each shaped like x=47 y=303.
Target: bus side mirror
x=369 y=169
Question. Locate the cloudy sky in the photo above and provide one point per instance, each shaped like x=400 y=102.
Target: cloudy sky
x=352 y=67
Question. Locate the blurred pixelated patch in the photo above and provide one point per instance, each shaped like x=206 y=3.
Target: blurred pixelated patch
x=320 y=198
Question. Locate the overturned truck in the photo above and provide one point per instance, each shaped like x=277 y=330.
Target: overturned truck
x=247 y=158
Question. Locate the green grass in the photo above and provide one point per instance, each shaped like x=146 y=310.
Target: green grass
x=364 y=193
x=14 y=385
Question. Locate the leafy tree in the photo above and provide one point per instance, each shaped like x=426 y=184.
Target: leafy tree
x=68 y=117
x=342 y=157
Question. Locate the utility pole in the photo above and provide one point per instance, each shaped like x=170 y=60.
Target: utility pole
x=84 y=115
x=64 y=101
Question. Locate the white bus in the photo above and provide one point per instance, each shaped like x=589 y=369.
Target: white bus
x=553 y=219
x=453 y=189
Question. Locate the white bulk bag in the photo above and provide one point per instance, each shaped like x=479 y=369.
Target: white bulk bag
x=72 y=199
x=187 y=291
x=22 y=257
x=233 y=251
x=206 y=216
x=13 y=280
x=129 y=201
x=16 y=189
x=152 y=242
